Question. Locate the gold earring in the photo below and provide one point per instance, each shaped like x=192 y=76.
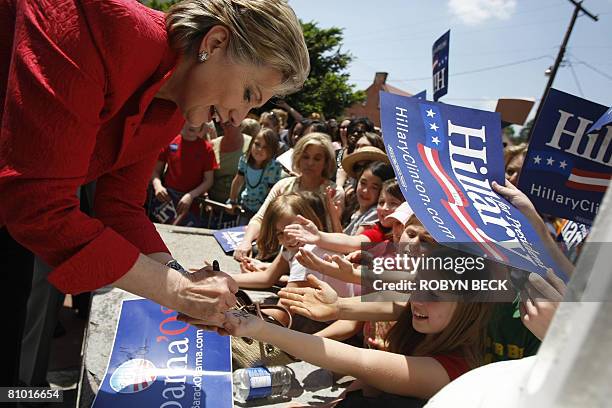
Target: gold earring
x=203 y=56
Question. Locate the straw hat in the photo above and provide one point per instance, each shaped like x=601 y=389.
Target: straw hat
x=365 y=154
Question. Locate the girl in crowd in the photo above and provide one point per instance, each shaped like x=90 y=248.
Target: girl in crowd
x=259 y=170
x=306 y=232
x=313 y=160
x=282 y=211
x=368 y=191
x=271 y=121
x=433 y=342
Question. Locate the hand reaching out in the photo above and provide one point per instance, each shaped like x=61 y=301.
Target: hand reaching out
x=303 y=232
x=319 y=302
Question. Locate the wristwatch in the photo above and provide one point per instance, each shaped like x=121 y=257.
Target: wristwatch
x=173 y=263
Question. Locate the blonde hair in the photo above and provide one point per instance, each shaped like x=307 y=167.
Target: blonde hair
x=250 y=126
x=510 y=152
x=282 y=117
x=315 y=139
x=285 y=205
x=263 y=33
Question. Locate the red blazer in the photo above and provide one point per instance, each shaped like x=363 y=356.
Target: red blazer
x=77 y=86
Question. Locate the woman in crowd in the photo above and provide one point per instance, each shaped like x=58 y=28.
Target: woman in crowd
x=313 y=160
x=78 y=104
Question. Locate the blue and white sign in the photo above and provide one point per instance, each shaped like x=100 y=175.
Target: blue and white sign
x=157 y=361
x=445 y=158
x=440 y=65
x=229 y=238
x=567 y=171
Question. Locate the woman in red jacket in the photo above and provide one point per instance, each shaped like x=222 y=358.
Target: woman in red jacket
x=92 y=90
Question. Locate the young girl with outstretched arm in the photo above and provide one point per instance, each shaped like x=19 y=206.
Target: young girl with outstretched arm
x=306 y=232
x=438 y=337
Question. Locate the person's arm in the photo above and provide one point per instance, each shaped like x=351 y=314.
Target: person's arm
x=160 y=191
x=266 y=278
x=334 y=266
x=320 y=302
x=340 y=330
x=294 y=113
x=306 y=232
x=204 y=294
x=419 y=377
x=186 y=200
x=518 y=199
x=237 y=184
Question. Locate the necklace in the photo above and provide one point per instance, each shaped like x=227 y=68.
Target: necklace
x=258 y=181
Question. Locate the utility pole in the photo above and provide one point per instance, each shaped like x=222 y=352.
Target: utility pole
x=577 y=9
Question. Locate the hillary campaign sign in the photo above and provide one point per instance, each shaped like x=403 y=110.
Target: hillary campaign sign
x=421 y=95
x=229 y=238
x=157 y=361
x=567 y=171
x=445 y=158
x=440 y=65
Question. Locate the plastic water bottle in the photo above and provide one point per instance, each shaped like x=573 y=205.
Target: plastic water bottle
x=261 y=382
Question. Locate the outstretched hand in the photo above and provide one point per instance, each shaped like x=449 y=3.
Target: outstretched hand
x=319 y=302
x=303 y=232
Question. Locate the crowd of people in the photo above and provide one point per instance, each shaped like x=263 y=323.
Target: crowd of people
x=307 y=227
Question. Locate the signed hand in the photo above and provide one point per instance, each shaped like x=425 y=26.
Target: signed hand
x=319 y=302
x=206 y=295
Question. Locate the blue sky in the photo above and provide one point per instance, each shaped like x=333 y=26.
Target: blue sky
x=396 y=36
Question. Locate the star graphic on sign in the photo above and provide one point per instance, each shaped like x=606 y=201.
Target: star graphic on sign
x=435 y=140
x=550 y=161
x=430 y=113
x=537 y=159
x=433 y=127
x=562 y=164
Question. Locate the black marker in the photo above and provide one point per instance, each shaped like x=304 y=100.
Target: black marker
x=216 y=267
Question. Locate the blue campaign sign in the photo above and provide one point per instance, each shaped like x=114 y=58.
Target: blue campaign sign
x=440 y=65
x=157 y=361
x=229 y=238
x=445 y=158
x=567 y=171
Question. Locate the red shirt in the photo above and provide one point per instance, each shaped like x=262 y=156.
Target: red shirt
x=187 y=162
x=455 y=366
x=77 y=86
x=377 y=233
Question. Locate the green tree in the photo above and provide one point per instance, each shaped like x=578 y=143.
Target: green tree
x=327 y=89
x=524 y=133
x=161 y=5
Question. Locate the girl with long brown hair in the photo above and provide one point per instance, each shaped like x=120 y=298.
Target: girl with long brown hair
x=437 y=338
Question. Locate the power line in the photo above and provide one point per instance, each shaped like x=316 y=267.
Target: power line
x=474 y=71
x=575 y=78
